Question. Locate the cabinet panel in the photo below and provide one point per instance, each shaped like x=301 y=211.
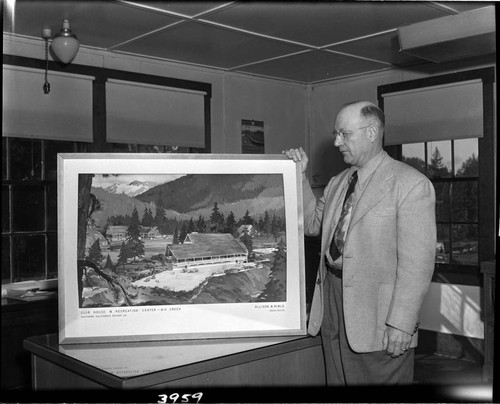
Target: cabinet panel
x=20 y=321
x=301 y=368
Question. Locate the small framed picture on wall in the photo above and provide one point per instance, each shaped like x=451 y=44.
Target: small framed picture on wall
x=252 y=137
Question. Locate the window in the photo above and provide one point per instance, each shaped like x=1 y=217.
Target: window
x=29 y=203
x=29 y=207
x=453 y=168
x=444 y=127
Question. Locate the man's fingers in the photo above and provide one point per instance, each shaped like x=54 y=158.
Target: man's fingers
x=293 y=154
x=396 y=342
x=297 y=155
x=385 y=341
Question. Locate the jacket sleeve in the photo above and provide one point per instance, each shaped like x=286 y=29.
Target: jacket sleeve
x=416 y=249
x=313 y=208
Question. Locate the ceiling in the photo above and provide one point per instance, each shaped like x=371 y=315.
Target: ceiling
x=303 y=42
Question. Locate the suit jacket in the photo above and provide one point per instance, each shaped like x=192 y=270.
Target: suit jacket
x=389 y=251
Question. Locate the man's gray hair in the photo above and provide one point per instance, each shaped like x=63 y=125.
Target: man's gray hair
x=369 y=111
x=373 y=112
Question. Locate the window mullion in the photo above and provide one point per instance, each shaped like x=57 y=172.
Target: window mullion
x=46 y=207
x=450 y=196
x=452 y=158
x=426 y=159
x=11 y=210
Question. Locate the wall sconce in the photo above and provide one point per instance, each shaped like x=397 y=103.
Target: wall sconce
x=64 y=45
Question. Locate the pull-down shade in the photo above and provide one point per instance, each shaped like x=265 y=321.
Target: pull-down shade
x=64 y=114
x=451 y=111
x=141 y=113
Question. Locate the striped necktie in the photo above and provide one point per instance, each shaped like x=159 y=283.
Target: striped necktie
x=337 y=245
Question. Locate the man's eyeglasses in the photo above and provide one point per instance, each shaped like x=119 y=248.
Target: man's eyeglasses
x=344 y=134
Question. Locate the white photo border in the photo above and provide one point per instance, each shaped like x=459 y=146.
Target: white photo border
x=149 y=323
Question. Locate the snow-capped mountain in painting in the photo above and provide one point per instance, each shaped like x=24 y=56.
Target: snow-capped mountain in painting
x=132 y=189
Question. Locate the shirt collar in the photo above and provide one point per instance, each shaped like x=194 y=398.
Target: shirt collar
x=365 y=172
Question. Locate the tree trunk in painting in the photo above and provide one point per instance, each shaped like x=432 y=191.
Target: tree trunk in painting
x=87 y=204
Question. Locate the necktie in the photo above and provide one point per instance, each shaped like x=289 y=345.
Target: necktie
x=337 y=245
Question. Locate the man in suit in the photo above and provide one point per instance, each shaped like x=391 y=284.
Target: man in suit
x=377 y=221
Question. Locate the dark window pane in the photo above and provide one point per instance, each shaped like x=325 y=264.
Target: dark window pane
x=465 y=201
x=443 y=244
x=123 y=148
x=52 y=207
x=442 y=190
x=26 y=159
x=414 y=155
x=439 y=159
x=83 y=147
x=5 y=208
x=28 y=208
x=465 y=244
x=29 y=258
x=52 y=256
x=51 y=150
x=4 y=158
x=5 y=259
x=466 y=158
x=143 y=148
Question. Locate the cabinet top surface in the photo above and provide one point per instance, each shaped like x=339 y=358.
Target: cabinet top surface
x=132 y=359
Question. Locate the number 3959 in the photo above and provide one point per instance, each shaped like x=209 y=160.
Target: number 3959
x=178 y=398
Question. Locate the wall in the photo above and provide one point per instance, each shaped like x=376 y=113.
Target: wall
x=281 y=107
x=453 y=309
x=234 y=97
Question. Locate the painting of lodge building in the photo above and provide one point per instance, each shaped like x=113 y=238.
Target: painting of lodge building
x=117 y=234
x=206 y=248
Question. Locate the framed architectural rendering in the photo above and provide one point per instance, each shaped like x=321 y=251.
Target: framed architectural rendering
x=179 y=246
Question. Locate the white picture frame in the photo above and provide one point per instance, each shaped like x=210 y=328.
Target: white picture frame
x=239 y=290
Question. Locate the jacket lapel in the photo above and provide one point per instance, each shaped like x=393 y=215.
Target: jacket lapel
x=376 y=189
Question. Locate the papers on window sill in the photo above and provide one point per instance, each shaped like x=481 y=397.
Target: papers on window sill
x=30 y=295
x=30 y=290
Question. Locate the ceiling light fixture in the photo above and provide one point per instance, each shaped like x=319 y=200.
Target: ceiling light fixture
x=64 y=45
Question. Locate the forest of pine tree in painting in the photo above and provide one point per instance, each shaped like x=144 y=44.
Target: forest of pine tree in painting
x=137 y=243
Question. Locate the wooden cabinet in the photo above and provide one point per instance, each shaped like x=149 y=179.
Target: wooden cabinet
x=232 y=362
x=21 y=320
x=488 y=270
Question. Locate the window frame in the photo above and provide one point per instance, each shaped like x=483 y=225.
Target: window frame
x=43 y=182
x=487 y=209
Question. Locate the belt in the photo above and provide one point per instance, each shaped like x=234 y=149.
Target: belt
x=334 y=271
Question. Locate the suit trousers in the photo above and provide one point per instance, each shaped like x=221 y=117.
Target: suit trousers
x=344 y=367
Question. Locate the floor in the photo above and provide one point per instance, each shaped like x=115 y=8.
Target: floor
x=454 y=380
x=440 y=369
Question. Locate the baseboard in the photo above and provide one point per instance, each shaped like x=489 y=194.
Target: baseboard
x=456 y=346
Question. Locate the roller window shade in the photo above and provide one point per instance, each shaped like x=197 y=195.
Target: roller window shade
x=140 y=113
x=63 y=114
x=451 y=111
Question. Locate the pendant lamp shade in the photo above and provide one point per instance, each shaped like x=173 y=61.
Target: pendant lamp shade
x=65 y=44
